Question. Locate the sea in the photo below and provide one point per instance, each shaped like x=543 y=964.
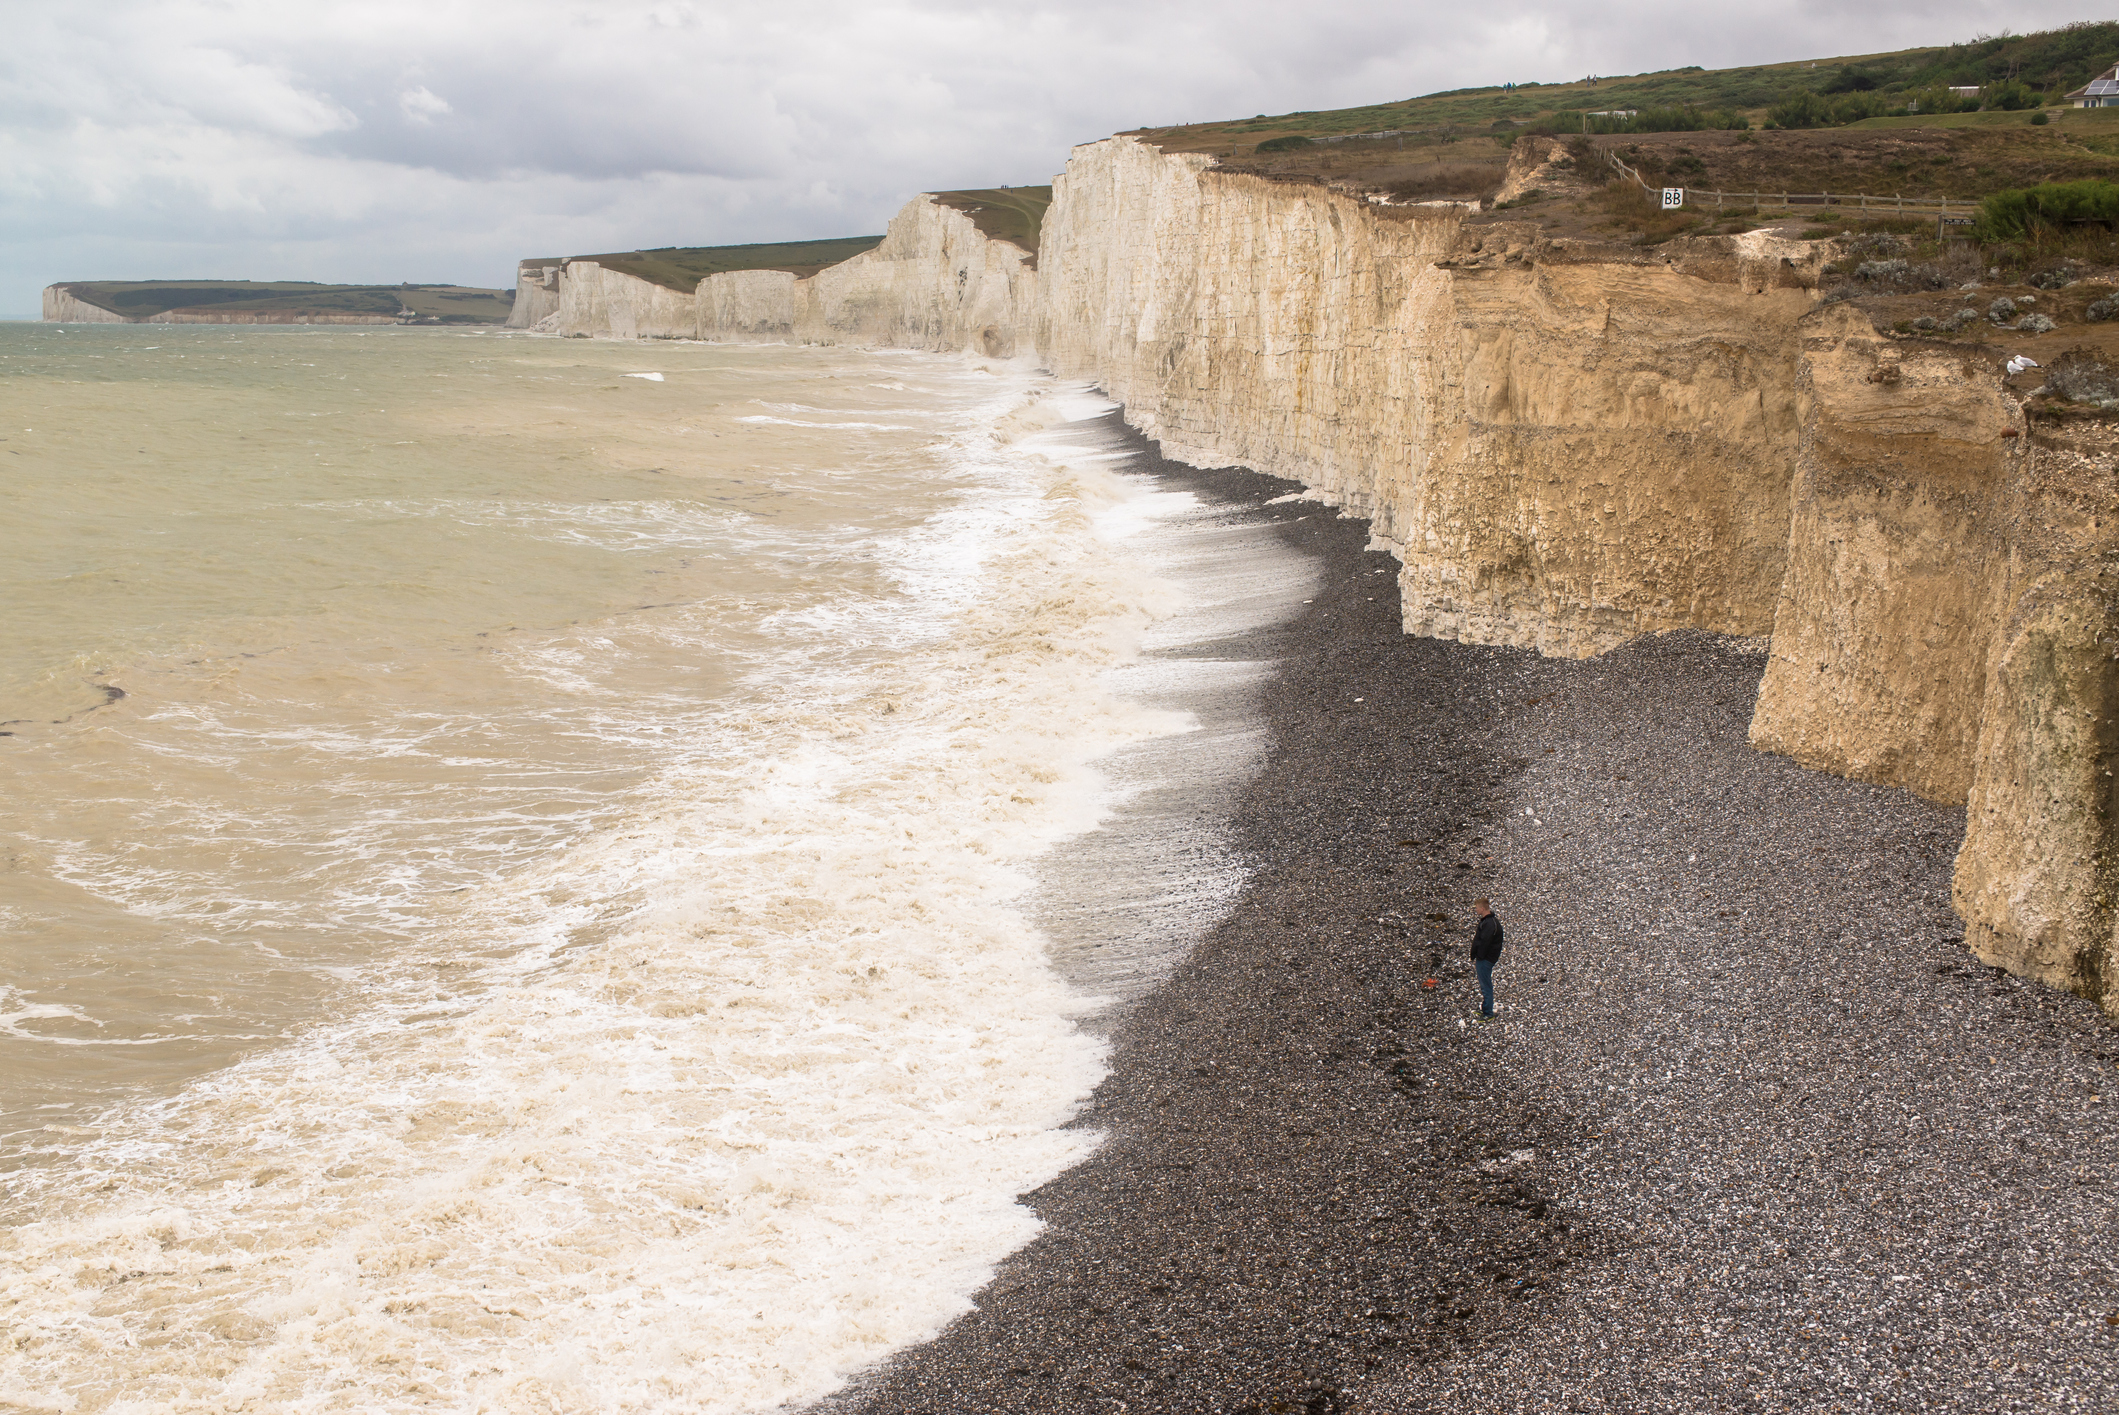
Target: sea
x=559 y=875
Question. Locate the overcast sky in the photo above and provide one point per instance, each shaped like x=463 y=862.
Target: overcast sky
x=436 y=140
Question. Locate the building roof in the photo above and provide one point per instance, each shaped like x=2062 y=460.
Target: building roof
x=2105 y=84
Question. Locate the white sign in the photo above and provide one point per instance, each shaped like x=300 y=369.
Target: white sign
x=1673 y=198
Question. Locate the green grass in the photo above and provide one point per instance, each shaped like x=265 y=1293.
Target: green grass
x=1752 y=87
x=1012 y=214
x=451 y=304
x=2052 y=61
x=683 y=267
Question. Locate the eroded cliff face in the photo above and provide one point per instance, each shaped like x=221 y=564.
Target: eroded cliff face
x=1566 y=446
x=1539 y=164
x=1899 y=528
x=934 y=283
x=2036 y=877
x=1949 y=623
x=1570 y=444
x=536 y=295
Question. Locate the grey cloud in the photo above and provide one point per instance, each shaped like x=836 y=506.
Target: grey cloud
x=190 y=136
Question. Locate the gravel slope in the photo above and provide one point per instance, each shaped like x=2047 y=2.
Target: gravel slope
x=1753 y=1131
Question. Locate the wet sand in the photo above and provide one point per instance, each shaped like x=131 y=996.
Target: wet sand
x=1753 y=1131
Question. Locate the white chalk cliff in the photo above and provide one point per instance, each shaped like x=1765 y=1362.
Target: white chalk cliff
x=1569 y=444
x=62 y=307
x=934 y=283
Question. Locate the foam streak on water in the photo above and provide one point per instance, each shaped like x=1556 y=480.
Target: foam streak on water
x=686 y=1040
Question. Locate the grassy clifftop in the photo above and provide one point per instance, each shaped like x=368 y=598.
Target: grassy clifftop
x=1012 y=214
x=683 y=267
x=443 y=304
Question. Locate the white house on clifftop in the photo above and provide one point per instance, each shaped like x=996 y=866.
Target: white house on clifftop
x=2100 y=92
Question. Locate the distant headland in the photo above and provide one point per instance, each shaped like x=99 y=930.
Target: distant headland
x=271 y=302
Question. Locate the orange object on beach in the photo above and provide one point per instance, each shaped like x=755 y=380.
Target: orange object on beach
x=1431 y=982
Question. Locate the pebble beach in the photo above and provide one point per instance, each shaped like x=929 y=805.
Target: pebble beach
x=1753 y=1131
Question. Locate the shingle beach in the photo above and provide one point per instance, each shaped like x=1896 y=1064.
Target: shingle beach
x=1753 y=1131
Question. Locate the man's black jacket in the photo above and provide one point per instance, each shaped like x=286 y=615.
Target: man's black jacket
x=1486 y=943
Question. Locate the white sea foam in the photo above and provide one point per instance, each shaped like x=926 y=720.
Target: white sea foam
x=797 y=422
x=726 y=1099
x=16 y=1010
x=852 y=412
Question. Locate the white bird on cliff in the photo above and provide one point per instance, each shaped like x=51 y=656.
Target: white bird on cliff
x=2021 y=362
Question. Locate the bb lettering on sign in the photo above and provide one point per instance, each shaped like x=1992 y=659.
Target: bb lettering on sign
x=1673 y=198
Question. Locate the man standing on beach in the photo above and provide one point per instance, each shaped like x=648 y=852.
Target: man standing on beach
x=1486 y=951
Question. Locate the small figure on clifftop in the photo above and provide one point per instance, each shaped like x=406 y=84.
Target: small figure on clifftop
x=1486 y=951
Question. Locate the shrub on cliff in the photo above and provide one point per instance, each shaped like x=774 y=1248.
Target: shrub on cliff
x=1804 y=109
x=1559 y=123
x=1938 y=99
x=2022 y=213
x=1879 y=263
x=2082 y=376
x=1587 y=158
x=2009 y=96
x=1294 y=142
x=1681 y=119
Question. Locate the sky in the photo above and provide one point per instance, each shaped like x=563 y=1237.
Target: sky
x=433 y=140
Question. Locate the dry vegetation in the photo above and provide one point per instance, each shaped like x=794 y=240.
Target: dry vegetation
x=1955 y=162
x=1963 y=164
x=1442 y=164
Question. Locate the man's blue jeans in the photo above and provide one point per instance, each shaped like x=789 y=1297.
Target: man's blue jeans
x=1486 y=985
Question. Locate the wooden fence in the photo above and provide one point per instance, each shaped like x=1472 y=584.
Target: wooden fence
x=1882 y=205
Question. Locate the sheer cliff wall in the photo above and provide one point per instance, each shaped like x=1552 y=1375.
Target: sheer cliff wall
x=1950 y=623
x=934 y=283
x=61 y=306
x=1567 y=445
